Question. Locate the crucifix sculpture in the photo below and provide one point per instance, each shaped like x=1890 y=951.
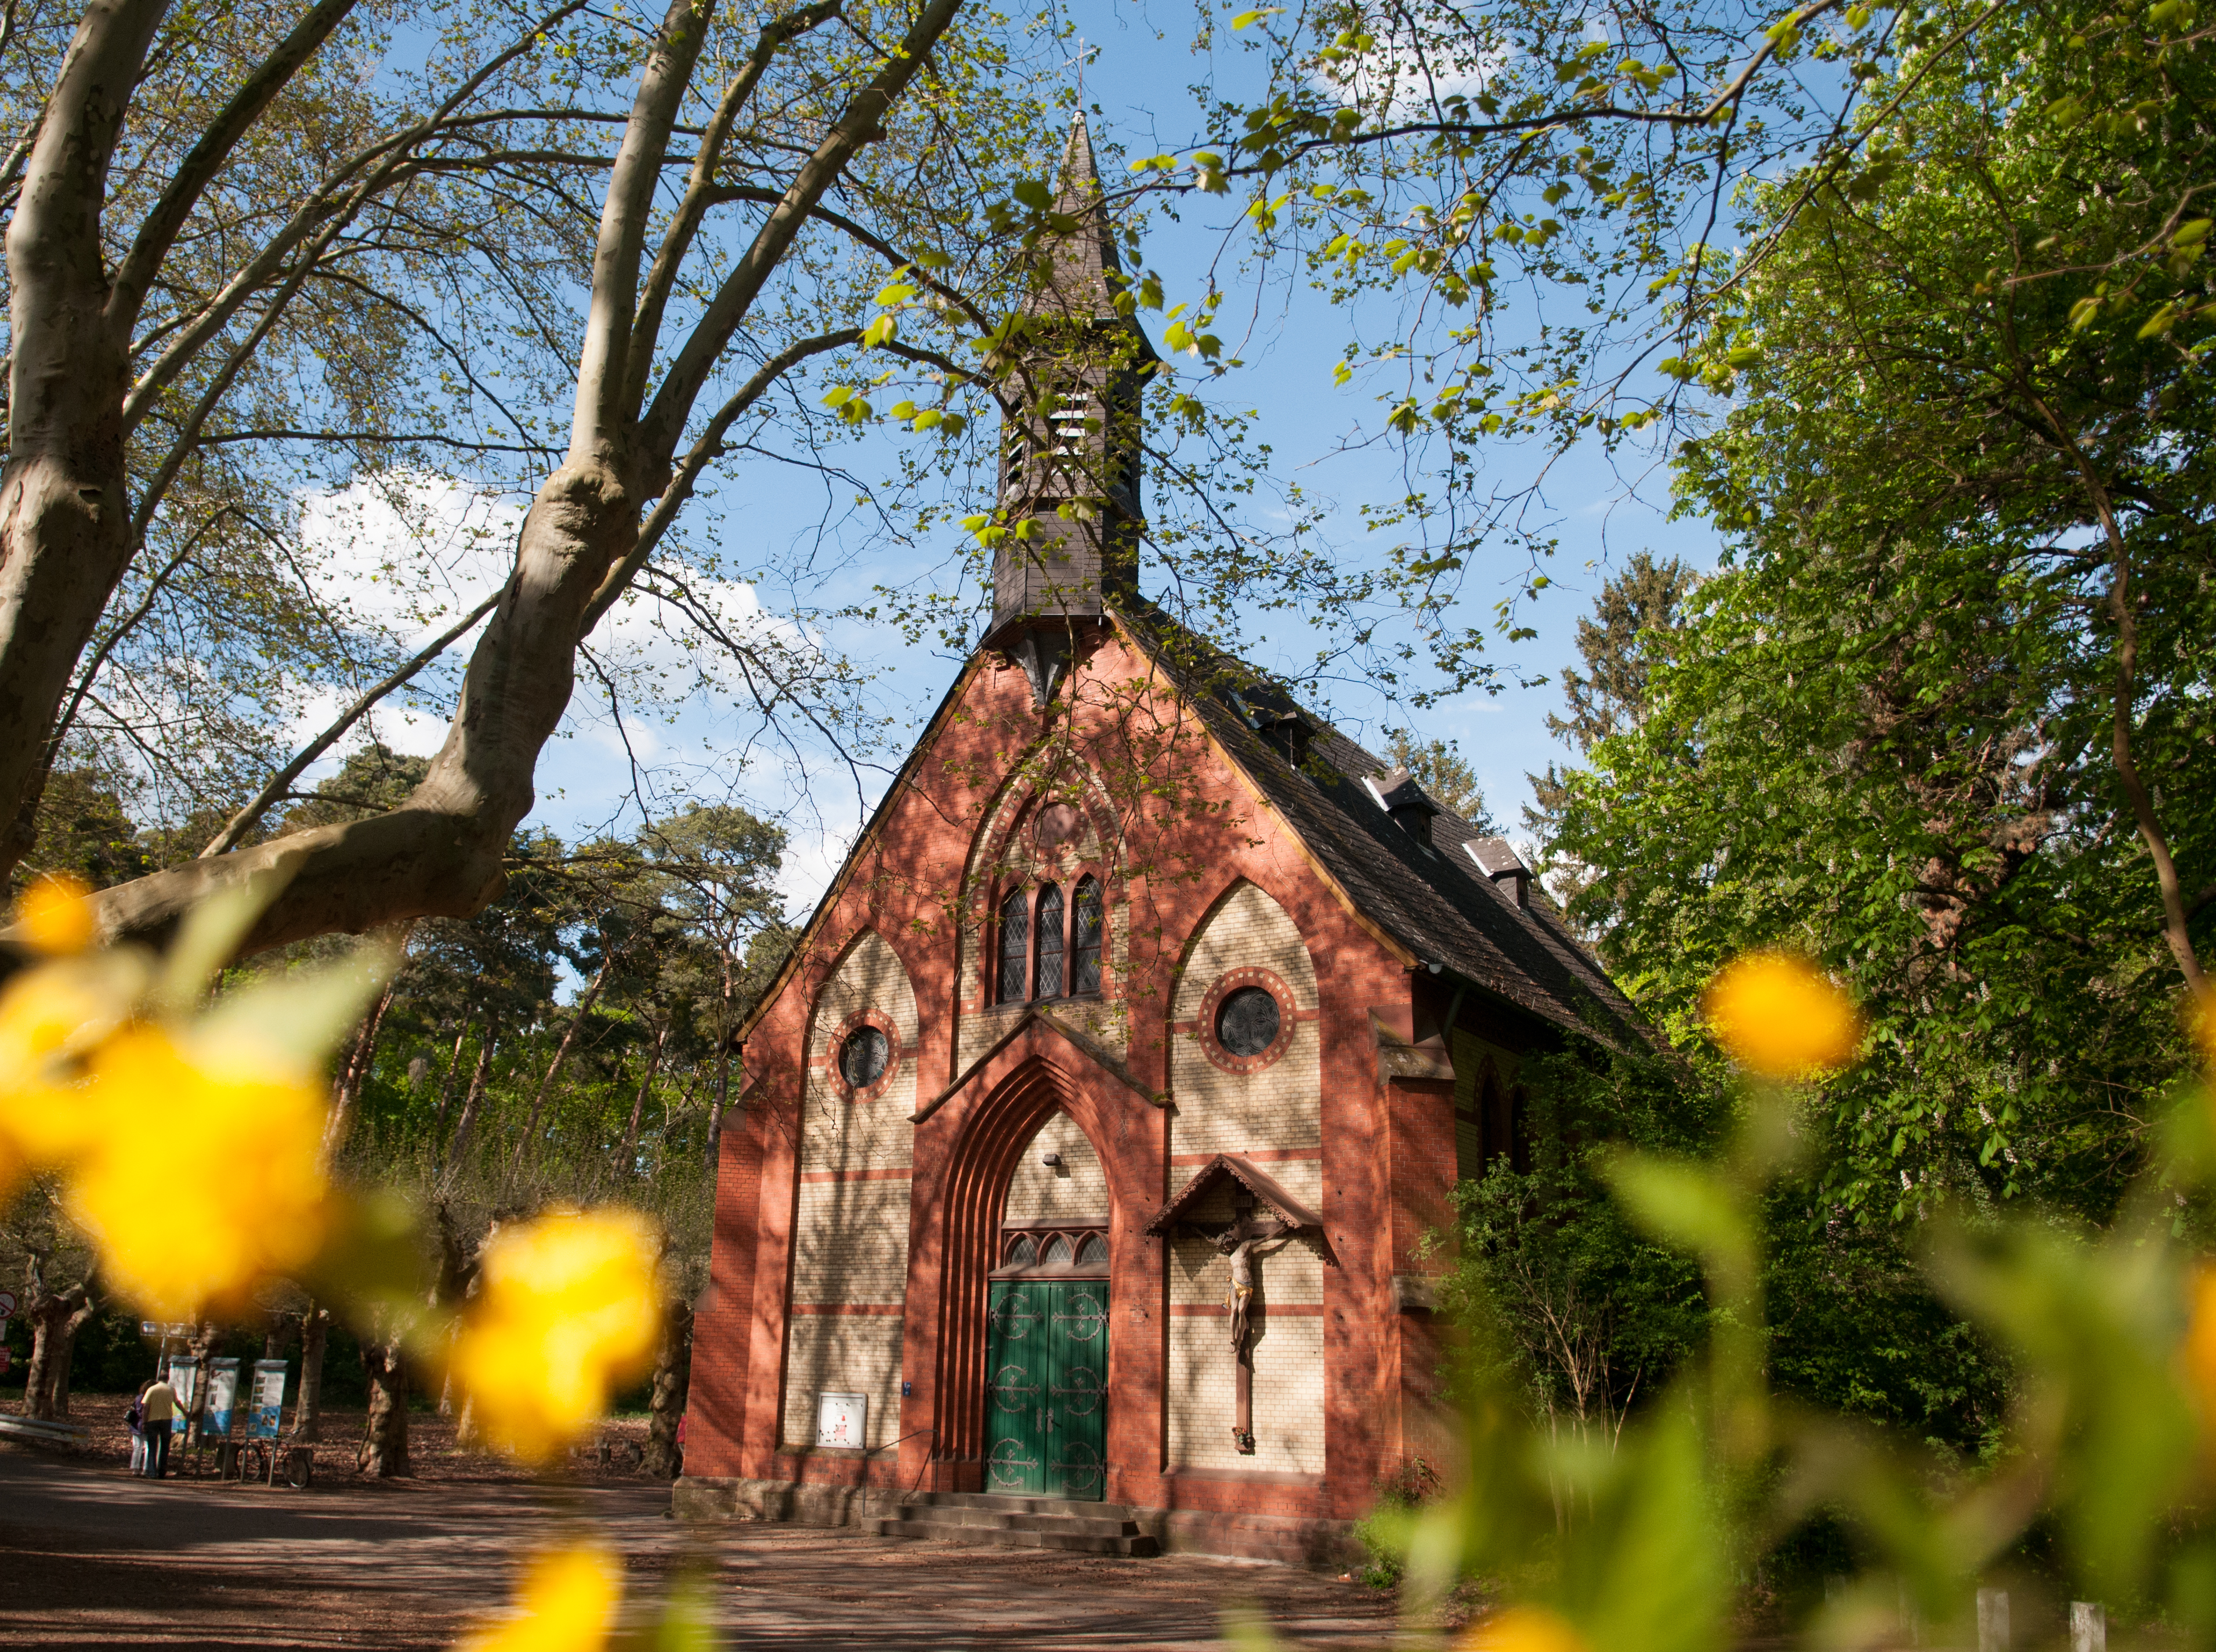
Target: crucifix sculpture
x=1263 y=1218
x=1245 y=1241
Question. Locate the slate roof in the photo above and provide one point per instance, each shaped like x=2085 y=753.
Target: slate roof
x=1441 y=900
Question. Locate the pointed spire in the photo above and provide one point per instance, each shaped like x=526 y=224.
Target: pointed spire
x=1074 y=267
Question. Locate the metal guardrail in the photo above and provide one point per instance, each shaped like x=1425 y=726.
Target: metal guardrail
x=36 y=1432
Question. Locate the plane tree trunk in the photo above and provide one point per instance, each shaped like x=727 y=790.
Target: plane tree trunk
x=673 y=1382
x=307 y=1407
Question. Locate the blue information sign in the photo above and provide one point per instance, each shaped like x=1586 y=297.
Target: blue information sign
x=222 y=1399
x=267 y=1418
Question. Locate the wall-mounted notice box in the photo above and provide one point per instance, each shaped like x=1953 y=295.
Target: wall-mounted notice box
x=840 y=1419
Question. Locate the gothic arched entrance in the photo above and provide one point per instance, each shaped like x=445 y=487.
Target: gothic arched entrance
x=1030 y=1229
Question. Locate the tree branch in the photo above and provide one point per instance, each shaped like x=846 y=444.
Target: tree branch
x=688 y=473
x=700 y=194
x=664 y=422
x=198 y=170
x=279 y=783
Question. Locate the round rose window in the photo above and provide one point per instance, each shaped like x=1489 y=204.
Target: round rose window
x=1247 y=1021
x=863 y=1058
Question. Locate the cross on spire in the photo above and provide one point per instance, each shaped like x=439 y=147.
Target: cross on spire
x=1077 y=63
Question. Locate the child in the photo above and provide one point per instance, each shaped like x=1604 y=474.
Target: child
x=136 y=1416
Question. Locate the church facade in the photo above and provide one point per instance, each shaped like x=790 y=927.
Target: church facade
x=1089 y=1137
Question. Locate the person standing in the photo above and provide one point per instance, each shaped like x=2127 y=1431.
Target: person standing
x=136 y=1416
x=160 y=1402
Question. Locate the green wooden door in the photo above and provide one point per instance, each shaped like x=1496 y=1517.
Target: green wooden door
x=1016 y=1335
x=1077 y=1390
x=1046 y=1391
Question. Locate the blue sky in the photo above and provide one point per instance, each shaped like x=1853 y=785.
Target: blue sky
x=1139 y=86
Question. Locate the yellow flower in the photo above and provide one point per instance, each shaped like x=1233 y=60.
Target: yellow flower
x=1522 y=1629
x=1778 y=1016
x=205 y=1178
x=2200 y=1350
x=566 y=1603
x=566 y=1311
x=50 y=1018
x=55 y=914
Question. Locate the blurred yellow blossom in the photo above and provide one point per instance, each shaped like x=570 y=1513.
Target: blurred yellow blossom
x=55 y=914
x=203 y=1176
x=2200 y=1350
x=566 y=1603
x=2201 y=1016
x=566 y=1311
x=1777 y=1016
x=51 y=1018
x=1522 y=1629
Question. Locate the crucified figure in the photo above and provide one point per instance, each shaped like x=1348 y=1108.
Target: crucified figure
x=1244 y=1242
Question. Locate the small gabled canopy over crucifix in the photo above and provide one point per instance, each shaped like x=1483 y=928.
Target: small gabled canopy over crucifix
x=1266 y=1219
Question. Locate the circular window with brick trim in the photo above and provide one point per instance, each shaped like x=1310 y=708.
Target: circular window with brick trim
x=865 y=1056
x=1247 y=1020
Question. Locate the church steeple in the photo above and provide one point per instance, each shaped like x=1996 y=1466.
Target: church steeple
x=1077 y=273
x=1070 y=438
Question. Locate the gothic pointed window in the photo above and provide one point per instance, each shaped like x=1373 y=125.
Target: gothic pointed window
x=1023 y=1253
x=1050 y=943
x=1015 y=947
x=1085 y=937
x=1093 y=1253
x=1057 y=1254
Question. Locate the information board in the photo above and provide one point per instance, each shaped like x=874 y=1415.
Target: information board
x=185 y=1380
x=841 y=1419
x=267 y=1418
x=222 y=1399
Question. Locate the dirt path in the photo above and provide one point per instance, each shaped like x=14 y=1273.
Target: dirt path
x=89 y=1557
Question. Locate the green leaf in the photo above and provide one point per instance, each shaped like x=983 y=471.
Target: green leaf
x=1259 y=12
x=2160 y=323
x=212 y=934
x=1684 y=1205
x=838 y=395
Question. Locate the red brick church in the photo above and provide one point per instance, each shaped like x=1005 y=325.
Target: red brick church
x=1090 y=1134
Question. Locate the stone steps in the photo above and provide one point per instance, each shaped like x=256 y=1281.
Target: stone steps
x=1020 y=1523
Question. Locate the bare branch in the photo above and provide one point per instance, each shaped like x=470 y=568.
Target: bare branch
x=280 y=783
x=198 y=170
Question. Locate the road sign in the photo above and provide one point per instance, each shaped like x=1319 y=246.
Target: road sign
x=7 y=1303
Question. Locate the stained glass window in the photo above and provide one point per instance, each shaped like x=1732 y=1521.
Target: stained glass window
x=1015 y=947
x=1247 y=1021
x=863 y=1058
x=1050 y=943
x=1085 y=938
